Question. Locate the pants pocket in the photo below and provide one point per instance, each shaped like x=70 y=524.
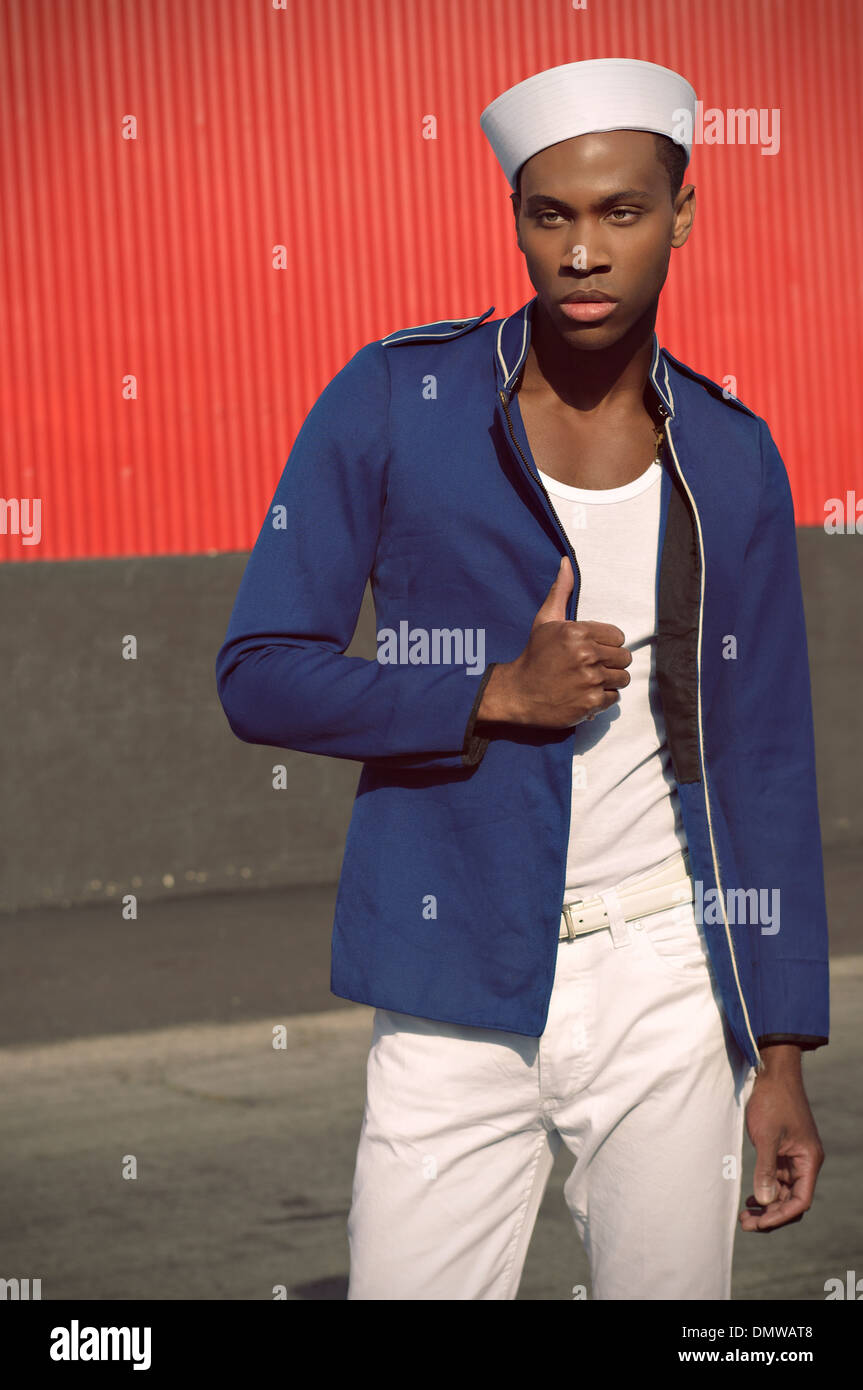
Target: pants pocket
x=675 y=940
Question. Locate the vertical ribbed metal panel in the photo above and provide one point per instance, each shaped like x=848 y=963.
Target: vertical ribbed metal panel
x=302 y=127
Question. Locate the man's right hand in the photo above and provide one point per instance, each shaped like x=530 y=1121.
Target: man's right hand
x=566 y=673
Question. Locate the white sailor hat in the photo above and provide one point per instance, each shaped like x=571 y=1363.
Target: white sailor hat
x=581 y=98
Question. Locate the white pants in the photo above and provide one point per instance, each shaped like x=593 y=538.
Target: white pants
x=636 y=1073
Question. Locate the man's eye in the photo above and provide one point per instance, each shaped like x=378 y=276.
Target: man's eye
x=617 y=214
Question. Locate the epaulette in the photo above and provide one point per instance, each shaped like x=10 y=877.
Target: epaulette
x=443 y=328
x=712 y=386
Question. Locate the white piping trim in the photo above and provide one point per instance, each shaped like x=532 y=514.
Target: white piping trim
x=499 y=352
x=509 y=375
x=391 y=337
x=668 y=400
x=701 y=743
x=465 y=322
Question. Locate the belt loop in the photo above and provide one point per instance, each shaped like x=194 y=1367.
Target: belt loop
x=618 y=926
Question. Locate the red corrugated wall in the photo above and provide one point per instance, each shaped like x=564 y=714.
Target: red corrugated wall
x=261 y=124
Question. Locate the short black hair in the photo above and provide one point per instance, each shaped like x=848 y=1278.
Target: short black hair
x=670 y=155
x=673 y=157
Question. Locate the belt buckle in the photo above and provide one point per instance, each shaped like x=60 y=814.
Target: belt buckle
x=567 y=912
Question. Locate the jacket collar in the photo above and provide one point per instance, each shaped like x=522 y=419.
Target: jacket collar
x=512 y=341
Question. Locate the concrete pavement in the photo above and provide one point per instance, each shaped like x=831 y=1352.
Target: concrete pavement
x=245 y=1158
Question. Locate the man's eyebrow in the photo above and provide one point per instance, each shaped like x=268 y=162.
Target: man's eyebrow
x=542 y=199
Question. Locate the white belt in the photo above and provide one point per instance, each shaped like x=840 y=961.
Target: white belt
x=665 y=887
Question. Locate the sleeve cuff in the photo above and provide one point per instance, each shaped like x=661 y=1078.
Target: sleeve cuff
x=807 y=1042
x=474 y=746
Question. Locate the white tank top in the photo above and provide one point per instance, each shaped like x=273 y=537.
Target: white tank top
x=626 y=815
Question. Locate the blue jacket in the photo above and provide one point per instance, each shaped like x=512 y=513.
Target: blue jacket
x=413 y=469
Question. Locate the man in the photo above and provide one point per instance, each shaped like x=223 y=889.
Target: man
x=582 y=885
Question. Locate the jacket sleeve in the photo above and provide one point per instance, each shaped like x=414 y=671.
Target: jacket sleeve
x=281 y=673
x=781 y=836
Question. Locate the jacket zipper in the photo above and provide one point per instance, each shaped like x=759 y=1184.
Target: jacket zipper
x=702 y=753
x=576 y=570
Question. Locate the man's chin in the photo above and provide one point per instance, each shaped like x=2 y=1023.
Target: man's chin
x=592 y=337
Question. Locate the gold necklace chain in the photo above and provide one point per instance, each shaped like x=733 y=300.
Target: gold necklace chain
x=659 y=434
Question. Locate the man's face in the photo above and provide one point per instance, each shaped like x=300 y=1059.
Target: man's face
x=595 y=213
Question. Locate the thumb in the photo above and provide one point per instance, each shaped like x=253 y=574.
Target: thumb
x=765 y=1187
x=554 y=608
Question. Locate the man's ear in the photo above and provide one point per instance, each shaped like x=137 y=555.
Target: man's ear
x=684 y=214
x=516 y=208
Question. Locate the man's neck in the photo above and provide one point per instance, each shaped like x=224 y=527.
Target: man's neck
x=612 y=380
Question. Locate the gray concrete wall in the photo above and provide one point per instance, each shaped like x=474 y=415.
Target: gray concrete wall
x=123 y=776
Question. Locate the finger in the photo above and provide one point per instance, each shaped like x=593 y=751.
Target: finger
x=554 y=606
x=615 y=680
x=765 y=1184
x=604 y=634
x=802 y=1177
x=617 y=657
x=755 y=1208
x=600 y=700
x=774 y=1215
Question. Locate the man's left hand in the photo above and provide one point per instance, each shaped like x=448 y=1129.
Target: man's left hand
x=788 y=1151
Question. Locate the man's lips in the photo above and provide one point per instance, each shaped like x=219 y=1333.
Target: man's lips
x=588 y=310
